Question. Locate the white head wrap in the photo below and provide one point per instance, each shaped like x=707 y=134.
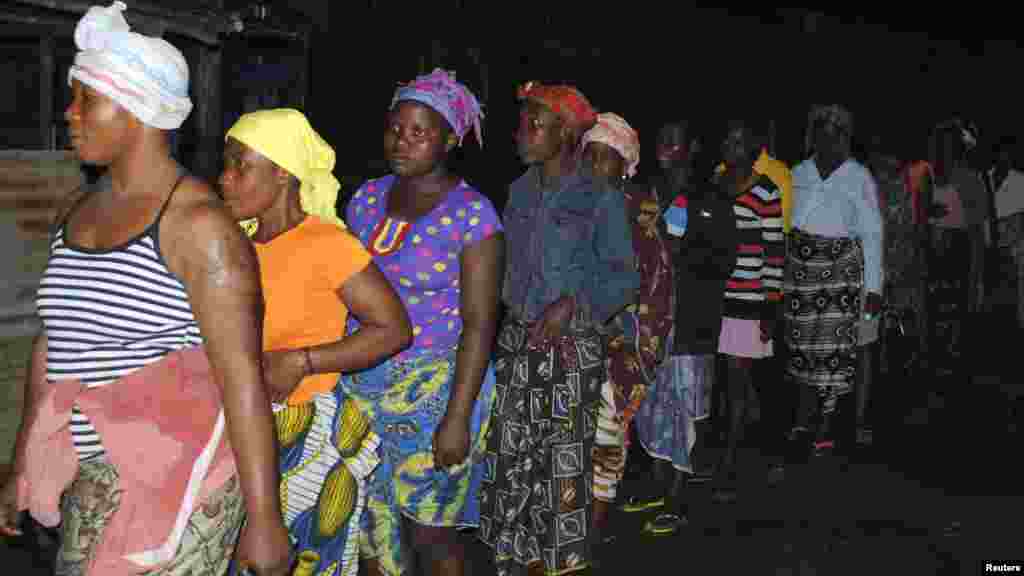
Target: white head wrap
x=612 y=130
x=147 y=76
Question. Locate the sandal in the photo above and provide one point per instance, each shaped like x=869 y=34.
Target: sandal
x=724 y=490
x=700 y=477
x=638 y=504
x=824 y=448
x=665 y=524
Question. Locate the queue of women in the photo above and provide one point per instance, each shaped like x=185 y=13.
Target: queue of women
x=240 y=381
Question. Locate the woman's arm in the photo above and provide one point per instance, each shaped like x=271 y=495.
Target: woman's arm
x=219 y=269
x=384 y=327
x=482 y=267
x=34 y=382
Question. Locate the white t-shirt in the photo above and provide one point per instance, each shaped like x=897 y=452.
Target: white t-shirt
x=1010 y=195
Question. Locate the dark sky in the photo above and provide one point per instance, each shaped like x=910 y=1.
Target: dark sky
x=900 y=75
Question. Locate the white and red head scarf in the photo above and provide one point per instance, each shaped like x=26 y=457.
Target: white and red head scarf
x=612 y=130
x=147 y=76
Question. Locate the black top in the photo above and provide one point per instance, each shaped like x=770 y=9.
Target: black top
x=702 y=265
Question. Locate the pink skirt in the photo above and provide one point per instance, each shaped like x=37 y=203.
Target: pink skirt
x=742 y=339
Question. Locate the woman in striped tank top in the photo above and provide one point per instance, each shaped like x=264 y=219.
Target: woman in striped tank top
x=753 y=290
x=152 y=310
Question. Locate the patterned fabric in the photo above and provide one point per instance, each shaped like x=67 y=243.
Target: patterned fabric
x=680 y=397
x=406 y=400
x=327 y=453
x=903 y=255
x=451 y=100
x=421 y=259
x=147 y=76
x=644 y=325
x=756 y=280
x=94 y=496
x=609 y=453
x=614 y=131
x=536 y=501
x=566 y=101
x=823 y=284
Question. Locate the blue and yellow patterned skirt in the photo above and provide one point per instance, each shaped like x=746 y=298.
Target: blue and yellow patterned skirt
x=406 y=398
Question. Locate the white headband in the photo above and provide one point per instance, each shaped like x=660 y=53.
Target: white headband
x=147 y=76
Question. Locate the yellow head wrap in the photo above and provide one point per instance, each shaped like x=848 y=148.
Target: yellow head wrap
x=285 y=137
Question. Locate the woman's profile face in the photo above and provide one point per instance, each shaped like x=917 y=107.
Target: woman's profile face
x=605 y=161
x=98 y=126
x=249 y=182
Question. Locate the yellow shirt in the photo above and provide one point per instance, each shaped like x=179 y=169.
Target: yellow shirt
x=778 y=173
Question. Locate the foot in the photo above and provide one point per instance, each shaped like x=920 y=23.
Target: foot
x=798 y=447
x=724 y=490
x=776 y=473
x=666 y=524
x=824 y=448
x=641 y=504
x=701 y=476
x=864 y=434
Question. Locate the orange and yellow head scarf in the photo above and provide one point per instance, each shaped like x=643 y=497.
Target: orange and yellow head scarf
x=286 y=138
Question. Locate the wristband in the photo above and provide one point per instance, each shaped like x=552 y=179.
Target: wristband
x=309 y=361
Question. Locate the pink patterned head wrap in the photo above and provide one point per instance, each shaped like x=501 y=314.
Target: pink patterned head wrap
x=452 y=100
x=612 y=130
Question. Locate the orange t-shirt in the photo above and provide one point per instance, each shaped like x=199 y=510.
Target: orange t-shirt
x=303 y=271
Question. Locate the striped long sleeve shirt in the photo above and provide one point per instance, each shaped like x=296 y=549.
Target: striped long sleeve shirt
x=755 y=286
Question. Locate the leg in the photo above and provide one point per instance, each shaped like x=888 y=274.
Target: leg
x=739 y=370
x=608 y=458
x=438 y=549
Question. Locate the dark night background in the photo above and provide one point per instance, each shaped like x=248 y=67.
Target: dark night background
x=902 y=70
x=899 y=73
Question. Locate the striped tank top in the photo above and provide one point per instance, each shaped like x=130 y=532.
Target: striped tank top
x=109 y=312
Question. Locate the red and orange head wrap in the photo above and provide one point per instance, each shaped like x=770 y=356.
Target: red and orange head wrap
x=566 y=101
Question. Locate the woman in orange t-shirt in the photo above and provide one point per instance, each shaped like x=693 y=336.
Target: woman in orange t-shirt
x=278 y=174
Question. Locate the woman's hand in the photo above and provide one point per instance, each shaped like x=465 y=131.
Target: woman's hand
x=265 y=550
x=451 y=441
x=9 y=507
x=554 y=321
x=282 y=372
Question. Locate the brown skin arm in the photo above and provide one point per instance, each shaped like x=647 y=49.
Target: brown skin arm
x=384 y=330
x=384 y=326
x=219 y=269
x=34 y=388
x=482 y=268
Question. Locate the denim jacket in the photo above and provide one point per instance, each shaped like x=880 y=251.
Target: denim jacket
x=571 y=238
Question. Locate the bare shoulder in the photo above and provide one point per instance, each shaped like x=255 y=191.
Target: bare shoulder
x=198 y=234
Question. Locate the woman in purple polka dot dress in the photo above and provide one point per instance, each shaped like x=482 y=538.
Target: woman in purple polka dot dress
x=440 y=243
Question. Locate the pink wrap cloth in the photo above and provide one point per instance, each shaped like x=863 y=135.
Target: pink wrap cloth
x=163 y=430
x=613 y=130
